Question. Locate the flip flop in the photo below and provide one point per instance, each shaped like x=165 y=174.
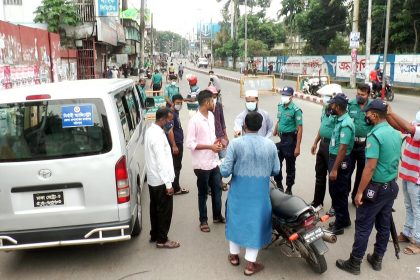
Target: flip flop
x=403 y=238
x=182 y=191
x=168 y=245
x=412 y=249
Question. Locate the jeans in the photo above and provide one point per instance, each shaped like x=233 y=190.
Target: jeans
x=209 y=179
x=358 y=161
x=412 y=207
x=375 y=213
x=321 y=172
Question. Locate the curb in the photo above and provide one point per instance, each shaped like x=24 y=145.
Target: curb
x=310 y=98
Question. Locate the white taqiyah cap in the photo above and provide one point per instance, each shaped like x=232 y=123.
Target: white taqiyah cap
x=330 y=90
x=251 y=93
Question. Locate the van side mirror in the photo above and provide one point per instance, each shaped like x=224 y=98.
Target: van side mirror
x=150 y=102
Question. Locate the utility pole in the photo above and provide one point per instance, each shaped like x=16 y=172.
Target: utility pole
x=388 y=15
x=246 y=32
x=368 y=41
x=201 y=40
x=142 y=27
x=211 y=43
x=151 y=41
x=355 y=28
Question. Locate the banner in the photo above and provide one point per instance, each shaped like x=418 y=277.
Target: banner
x=107 y=8
x=207 y=30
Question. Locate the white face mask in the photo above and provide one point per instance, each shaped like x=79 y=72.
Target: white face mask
x=178 y=107
x=251 y=106
x=173 y=83
x=285 y=100
x=326 y=98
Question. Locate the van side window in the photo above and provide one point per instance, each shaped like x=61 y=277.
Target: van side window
x=123 y=118
x=133 y=107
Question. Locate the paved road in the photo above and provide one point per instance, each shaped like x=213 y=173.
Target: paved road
x=204 y=255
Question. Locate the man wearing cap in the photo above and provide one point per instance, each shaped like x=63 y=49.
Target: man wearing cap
x=355 y=109
x=171 y=90
x=251 y=99
x=289 y=129
x=341 y=145
x=377 y=190
x=323 y=137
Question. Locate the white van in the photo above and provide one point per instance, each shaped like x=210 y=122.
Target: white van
x=71 y=163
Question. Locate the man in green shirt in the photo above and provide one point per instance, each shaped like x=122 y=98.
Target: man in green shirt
x=142 y=92
x=289 y=129
x=357 y=156
x=323 y=137
x=171 y=90
x=377 y=190
x=156 y=83
x=341 y=145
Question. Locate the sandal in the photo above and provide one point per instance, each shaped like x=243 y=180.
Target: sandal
x=252 y=268
x=412 y=249
x=224 y=187
x=403 y=238
x=233 y=259
x=220 y=220
x=204 y=227
x=182 y=191
x=168 y=245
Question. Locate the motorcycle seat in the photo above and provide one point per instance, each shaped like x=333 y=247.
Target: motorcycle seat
x=287 y=207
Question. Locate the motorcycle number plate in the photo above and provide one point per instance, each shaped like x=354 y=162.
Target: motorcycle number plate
x=313 y=235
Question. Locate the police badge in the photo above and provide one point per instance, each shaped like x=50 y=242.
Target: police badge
x=371 y=192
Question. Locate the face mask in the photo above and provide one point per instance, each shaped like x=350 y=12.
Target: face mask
x=326 y=98
x=360 y=100
x=178 y=107
x=251 y=106
x=333 y=112
x=368 y=121
x=285 y=100
x=328 y=111
x=173 y=83
x=167 y=127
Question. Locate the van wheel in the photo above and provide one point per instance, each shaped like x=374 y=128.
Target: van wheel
x=138 y=224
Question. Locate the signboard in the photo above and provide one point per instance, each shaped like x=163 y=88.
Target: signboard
x=159 y=102
x=107 y=8
x=354 y=40
x=106 y=28
x=77 y=115
x=207 y=30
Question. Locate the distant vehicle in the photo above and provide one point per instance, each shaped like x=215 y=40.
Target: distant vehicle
x=72 y=164
x=203 y=62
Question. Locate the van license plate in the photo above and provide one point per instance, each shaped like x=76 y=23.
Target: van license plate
x=48 y=199
x=313 y=235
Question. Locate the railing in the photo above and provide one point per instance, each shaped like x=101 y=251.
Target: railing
x=85 y=10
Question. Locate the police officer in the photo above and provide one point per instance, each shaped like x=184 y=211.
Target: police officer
x=341 y=145
x=323 y=137
x=357 y=156
x=377 y=190
x=289 y=129
x=171 y=90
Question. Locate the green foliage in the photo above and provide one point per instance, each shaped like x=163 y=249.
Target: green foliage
x=56 y=13
x=339 y=45
x=168 y=41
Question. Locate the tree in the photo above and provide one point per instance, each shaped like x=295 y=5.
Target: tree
x=56 y=13
x=319 y=24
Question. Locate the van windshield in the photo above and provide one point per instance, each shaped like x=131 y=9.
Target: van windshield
x=53 y=129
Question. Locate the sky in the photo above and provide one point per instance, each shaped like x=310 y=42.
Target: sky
x=181 y=16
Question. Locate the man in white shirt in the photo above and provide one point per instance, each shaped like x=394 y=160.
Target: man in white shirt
x=160 y=175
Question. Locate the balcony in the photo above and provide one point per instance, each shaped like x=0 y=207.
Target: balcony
x=85 y=10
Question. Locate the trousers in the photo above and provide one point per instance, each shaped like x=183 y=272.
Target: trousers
x=250 y=254
x=286 y=151
x=177 y=160
x=161 y=206
x=358 y=160
x=321 y=172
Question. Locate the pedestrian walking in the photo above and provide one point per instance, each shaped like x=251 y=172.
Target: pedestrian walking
x=251 y=160
x=201 y=140
x=176 y=140
x=410 y=176
x=251 y=105
x=341 y=145
x=157 y=80
x=377 y=190
x=323 y=137
x=160 y=175
x=289 y=128
x=357 y=156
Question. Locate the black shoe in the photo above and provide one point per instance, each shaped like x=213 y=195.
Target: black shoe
x=331 y=224
x=375 y=261
x=335 y=230
x=279 y=186
x=352 y=265
x=289 y=191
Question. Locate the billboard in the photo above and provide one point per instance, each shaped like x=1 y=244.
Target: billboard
x=207 y=30
x=107 y=8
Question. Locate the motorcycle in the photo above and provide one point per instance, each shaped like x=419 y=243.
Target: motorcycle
x=389 y=93
x=148 y=73
x=312 y=85
x=295 y=228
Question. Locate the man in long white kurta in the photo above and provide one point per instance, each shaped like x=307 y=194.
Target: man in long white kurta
x=251 y=160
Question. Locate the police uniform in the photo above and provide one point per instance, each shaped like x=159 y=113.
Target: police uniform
x=321 y=166
x=358 y=153
x=170 y=91
x=384 y=144
x=289 y=118
x=343 y=134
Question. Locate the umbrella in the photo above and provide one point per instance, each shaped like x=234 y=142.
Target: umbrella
x=330 y=89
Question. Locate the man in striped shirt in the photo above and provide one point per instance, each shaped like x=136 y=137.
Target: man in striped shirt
x=410 y=175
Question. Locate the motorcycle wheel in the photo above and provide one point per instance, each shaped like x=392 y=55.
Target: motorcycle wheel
x=389 y=95
x=316 y=261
